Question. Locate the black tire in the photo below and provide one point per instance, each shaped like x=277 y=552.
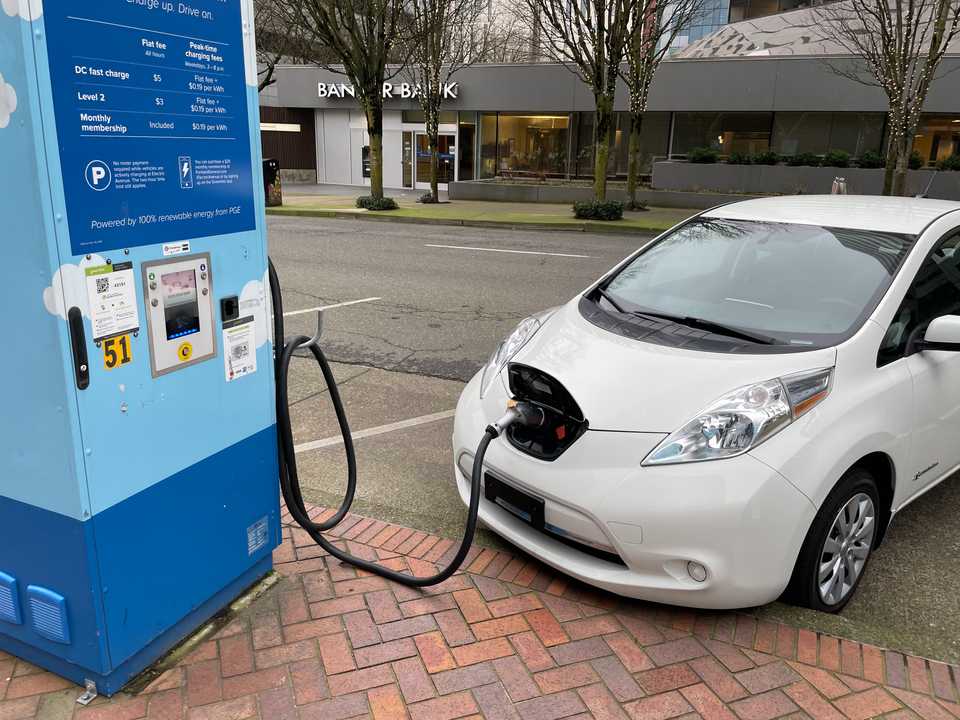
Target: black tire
x=803 y=589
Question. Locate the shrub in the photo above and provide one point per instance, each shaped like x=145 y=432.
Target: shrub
x=871 y=160
x=768 y=157
x=810 y=159
x=836 y=158
x=368 y=202
x=593 y=210
x=915 y=162
x=737 y=158
x=703 y=155
x=949 y=163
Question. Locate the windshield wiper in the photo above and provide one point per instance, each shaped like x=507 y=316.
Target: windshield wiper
x=609 y=298
x=710 y=326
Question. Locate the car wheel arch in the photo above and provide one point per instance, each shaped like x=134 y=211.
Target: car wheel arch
x=880 y=465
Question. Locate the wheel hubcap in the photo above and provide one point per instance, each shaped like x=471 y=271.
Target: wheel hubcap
x=846 y=549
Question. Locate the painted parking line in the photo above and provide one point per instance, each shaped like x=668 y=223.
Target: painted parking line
x=500 y=250
x=374 y=431
x=329 y=307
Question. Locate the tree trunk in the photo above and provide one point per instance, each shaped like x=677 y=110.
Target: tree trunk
x=433 y=137
x=602 y=134
x=375 y=131
x=633 y=163
x=905 y=146
x=435 y=168
x=890 y=165
x=888 y=171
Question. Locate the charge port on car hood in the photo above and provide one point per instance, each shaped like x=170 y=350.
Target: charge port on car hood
x=564 y=420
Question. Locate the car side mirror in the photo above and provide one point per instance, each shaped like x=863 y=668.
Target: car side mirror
x=943 y=333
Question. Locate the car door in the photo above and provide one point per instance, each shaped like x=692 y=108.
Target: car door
x=935 y=291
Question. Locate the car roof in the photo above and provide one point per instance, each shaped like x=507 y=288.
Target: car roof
x=859 y=212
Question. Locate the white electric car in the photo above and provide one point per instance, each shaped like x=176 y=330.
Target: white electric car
x=736 y=410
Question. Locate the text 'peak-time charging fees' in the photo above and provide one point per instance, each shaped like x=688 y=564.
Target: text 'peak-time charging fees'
x=152 y=124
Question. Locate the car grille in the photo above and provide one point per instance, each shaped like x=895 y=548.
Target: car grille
x=564 y=421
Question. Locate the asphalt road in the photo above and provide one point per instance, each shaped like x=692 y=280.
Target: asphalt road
x=440 y=312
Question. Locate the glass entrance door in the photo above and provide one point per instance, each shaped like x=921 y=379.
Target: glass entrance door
x=446 y=168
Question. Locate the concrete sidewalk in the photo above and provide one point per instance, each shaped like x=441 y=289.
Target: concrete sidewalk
x=506 y=638
x=473 y=213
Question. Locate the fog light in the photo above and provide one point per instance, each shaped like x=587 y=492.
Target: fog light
x=696 y=571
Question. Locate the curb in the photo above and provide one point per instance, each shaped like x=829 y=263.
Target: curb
x=571 y=226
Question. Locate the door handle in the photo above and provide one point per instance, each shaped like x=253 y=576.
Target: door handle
x=78 y=347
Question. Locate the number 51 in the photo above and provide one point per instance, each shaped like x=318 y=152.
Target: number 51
x=116 y=352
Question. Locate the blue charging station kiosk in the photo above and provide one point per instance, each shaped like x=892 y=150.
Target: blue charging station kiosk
x=138 y=461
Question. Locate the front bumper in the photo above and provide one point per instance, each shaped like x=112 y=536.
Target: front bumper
x=740 y=519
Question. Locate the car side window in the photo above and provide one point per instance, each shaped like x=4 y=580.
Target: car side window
x=935 y=291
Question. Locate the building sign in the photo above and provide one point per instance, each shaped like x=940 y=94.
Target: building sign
x=150 y=101
x=405 y=91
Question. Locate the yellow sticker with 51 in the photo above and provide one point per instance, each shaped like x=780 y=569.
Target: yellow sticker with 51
x=117 y=352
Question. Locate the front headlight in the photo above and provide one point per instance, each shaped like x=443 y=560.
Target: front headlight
x=743 y=419
x=511 y=346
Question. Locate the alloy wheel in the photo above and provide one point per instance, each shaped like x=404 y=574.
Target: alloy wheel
x=846 y=549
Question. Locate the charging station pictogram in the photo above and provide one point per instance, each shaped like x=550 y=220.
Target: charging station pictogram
x=185 y=164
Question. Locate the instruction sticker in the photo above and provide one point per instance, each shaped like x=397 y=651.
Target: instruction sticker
x=239 y=348
x=111 y=296
x=257 y=535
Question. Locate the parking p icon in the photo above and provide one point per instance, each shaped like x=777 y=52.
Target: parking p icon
x=97 y=174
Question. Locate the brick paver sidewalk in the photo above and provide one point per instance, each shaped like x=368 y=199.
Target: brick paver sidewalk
x=508 y=638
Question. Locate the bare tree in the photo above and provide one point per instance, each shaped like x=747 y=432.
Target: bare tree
x=278 y=38
x=590 y=37
x=654 y=28
x=444 y=37
x=511 y=39
x=898 y=45
x=359 y=39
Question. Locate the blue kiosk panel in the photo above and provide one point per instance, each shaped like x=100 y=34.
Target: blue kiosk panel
x=134 y=504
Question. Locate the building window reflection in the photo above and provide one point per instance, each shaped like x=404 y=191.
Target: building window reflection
x=820 y=132
x=654 y=136
x=937 y=138
x=745 y=133
x=532 y=144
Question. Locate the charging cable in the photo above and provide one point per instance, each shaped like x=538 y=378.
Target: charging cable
x=517 y=412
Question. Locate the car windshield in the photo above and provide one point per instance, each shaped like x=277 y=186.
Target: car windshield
x=801 y=285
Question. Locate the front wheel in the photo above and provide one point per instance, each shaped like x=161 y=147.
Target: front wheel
x=838 y=545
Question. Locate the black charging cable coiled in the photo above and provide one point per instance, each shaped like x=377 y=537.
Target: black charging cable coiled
x=290 y=480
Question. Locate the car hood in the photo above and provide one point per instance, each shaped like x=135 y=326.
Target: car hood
x=630 y=385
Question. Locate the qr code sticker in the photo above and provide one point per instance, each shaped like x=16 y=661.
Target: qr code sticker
x=103 y=285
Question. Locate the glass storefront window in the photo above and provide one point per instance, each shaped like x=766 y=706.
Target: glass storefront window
x=446 y=147
x=746 y=133
x=468 y=146
x=582 y=150
x=820 y=132
x=535 y=144
x=407 y=159
x=654 y=136
x=654 y=139
x=488 y=145
x=938 y=137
